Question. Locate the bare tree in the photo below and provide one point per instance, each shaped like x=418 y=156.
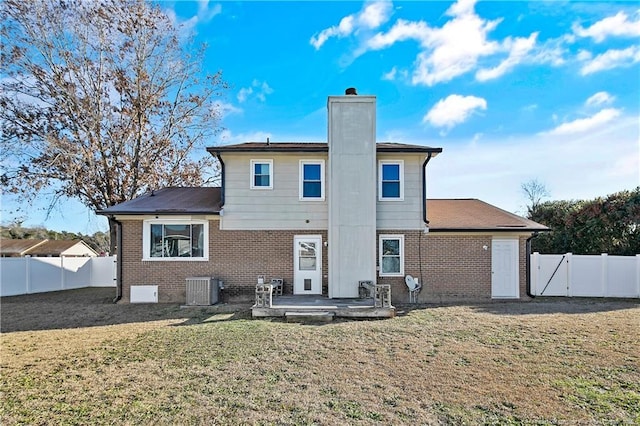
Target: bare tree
x=535 y=191
x=101 y=101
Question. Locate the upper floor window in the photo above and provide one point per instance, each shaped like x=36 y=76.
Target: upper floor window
x=312 y=179
x=175 y=239
x=391 y=180
x=261 y=174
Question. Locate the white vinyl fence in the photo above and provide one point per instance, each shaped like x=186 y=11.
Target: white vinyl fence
x=585 y=276
x=25 y=275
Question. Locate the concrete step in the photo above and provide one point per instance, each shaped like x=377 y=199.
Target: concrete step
x=309 y=316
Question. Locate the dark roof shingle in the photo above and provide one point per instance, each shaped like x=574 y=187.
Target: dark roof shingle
x=314 y=147
x=192 y=200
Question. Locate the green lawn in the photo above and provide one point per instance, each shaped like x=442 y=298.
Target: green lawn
x=77 y=359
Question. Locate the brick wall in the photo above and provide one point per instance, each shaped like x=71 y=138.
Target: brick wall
x=235 y=257
x=454 y=268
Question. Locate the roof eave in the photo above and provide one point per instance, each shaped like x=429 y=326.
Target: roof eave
x=267 y=148
x=505 y=230
x=425 y=150
x=152 y=212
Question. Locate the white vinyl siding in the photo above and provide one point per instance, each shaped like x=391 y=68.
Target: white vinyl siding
x=279 y=208
x=407 y=212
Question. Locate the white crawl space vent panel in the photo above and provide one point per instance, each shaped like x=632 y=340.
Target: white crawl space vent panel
x=144 y=294
x=202 y=291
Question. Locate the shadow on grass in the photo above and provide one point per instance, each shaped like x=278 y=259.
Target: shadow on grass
x=93 y=307
x=537 y=306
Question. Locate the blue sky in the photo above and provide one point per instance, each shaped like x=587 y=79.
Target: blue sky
x=510 y=90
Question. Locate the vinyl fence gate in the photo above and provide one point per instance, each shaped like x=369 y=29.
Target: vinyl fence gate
x=585 y=275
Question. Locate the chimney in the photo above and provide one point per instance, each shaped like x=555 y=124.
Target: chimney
x=351 y=201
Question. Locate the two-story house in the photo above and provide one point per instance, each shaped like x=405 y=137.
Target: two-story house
x=323 y=217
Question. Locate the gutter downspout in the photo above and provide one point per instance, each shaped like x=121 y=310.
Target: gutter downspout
x=424 y=189
x=424 y=213
x=217 y=155
x=528 y=263
x=118 y=261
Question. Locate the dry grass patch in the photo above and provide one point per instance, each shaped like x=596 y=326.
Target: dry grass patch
x=546 y=362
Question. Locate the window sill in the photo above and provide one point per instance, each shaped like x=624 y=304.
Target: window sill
x=175 y=259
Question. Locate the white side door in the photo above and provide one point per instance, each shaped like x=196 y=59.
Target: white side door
x=505 y=283
x=307 y=264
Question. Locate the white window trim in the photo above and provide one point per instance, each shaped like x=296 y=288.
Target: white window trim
x=301 y=180
x=380 y=164
x=391 y=237
x=146 y=239
x=253 y=170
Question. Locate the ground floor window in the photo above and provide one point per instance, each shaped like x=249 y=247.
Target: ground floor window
x=391 y=255
x=175 y=239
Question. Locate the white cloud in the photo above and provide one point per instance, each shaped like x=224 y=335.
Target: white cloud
x=259 y=89
x=518 y=48
x=244 y=93
x=391 y=75
x=206 y=12
x=584 y=55
x=610 y=59
x=582 y=125
x=455 y=48
x=451 y=50
x=618 y=26
x=600 y=98
x=402 y=30
x=370 y=17
x=225 y=109
x=375 y=14
x=453 y=110
x=227 y=137
x=572 y=166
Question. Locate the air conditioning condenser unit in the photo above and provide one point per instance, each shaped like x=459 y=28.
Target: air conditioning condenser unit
x=202 y=291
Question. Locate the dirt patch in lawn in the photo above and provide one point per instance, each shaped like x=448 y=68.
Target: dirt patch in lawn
x=92 y=307
x=551 y=361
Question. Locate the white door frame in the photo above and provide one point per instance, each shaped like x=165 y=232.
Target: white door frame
x=307 y=280
x=505 y=271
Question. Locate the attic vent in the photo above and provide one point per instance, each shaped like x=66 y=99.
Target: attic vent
x=350 y=91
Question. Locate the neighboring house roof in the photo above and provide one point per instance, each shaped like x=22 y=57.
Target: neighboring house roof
x=191 y=200
x=32 y=247
x=451 y=215
x=16 y=248
x=314 y=147
x=61 y=248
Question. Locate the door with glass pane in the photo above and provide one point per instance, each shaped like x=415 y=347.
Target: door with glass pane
x=307 y=265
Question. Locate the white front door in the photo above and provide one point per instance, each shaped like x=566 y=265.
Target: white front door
x=505 y=283
x=307 y=264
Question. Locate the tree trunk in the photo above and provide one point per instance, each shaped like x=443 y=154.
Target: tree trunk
x=113 y=237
